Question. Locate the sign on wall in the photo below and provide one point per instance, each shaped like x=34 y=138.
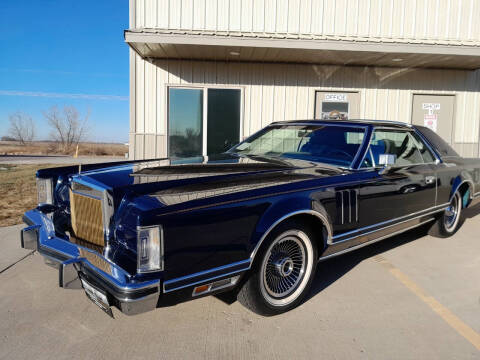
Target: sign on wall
x=335 y=97
x=431 y=106
x=430 y=121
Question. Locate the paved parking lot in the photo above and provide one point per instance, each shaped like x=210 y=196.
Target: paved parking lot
x=409 y=297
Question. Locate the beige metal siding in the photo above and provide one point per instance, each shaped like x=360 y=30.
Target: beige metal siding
x=431 y=20
x=274 y=92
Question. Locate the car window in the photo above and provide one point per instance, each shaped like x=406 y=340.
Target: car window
x=427 y=155
x=400 y=144
x=331 y=144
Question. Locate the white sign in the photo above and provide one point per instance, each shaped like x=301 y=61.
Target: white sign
x=430 y=121
x=431 y=106
x=335 y=97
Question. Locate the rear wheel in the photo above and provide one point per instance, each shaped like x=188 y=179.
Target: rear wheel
x=282 y=272
x=450 y=220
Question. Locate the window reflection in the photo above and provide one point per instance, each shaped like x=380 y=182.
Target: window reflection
x=185 y=114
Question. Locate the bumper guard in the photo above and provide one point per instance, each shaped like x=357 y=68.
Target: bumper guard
x=74 y=261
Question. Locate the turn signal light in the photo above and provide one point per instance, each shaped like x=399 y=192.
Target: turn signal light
x=217 y=285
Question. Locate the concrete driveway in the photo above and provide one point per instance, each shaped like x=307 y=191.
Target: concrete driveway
x=409 y=297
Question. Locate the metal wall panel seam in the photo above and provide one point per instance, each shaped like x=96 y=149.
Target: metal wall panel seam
x=379 y=18
x=414 y=18
x=193 y=16
x=311 y=16
x=390 y=30
x=369 y=7
x=470 y=21
x=459 y=17
x=437 y=14
x=357 y=15
x=334 y=23
x=402 y=21
x=447 y=25
x=425 y=18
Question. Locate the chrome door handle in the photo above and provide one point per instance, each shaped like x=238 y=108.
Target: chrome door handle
x=430 y=179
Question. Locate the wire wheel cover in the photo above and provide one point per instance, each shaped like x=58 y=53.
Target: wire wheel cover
x=452 y=212
x=284 y=267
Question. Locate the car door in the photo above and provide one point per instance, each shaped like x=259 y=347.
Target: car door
x=405 y=190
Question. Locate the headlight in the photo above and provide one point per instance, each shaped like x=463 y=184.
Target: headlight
x=45 y=191
x=149 y=249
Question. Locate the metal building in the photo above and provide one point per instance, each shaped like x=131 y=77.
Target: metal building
x=205 y=74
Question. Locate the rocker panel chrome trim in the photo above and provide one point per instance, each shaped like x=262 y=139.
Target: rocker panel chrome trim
x=391 y=222
x=374 y=240
x=247 y=264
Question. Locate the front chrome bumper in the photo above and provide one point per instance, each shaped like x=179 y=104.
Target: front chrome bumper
x=75 y=262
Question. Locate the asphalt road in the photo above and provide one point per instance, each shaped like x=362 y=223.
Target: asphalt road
x=408 y=297
x=55 y=159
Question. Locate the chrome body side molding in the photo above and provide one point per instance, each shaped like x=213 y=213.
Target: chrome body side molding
x=388 y=223
x=206 y=276
x=373 y=241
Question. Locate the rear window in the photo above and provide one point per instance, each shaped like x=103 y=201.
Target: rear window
x=438 y=143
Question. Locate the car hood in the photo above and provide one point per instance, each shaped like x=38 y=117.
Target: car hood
x=174 y=181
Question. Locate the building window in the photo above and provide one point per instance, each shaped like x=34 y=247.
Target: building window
x=334 y=110
x=202 y=121
x=185 y=125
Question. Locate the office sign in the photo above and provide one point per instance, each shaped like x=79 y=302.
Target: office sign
x=336 y=97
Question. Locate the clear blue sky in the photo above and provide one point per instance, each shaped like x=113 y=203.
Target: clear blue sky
x=56 y=49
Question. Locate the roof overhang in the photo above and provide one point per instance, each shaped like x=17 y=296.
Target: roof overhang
x=285 y=48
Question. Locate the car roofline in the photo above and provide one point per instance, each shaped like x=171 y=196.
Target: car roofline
x=365 y=122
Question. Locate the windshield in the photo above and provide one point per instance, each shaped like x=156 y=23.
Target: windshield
x=331 y=144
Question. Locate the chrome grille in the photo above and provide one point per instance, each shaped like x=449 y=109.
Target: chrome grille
x=87 y=218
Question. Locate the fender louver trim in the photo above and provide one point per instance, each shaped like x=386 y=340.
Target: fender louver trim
x=347 y=206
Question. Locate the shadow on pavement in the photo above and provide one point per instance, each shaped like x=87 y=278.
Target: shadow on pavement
x=331 y=270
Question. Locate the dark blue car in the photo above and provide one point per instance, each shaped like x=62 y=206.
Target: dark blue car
x=253 y=221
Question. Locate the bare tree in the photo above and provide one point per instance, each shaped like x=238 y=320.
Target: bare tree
x=67 y=126
x=22 y=127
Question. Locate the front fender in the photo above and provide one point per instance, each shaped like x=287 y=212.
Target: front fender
x=284 y=209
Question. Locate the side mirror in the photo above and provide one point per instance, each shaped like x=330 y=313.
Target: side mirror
x=387 y=161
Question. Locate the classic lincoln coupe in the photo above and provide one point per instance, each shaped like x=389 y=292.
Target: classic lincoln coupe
x=253 y=221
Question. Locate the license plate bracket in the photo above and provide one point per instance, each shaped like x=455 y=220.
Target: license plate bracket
x=97 y=296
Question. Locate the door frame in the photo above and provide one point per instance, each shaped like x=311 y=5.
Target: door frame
x=336 y=90
x=205 y=88
x=430 y=93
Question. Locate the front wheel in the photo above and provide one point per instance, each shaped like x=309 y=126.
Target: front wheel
x=450 y=220
x=282 y=272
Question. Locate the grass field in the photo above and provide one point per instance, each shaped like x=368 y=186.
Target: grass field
x=52 y=148
x=18 y=191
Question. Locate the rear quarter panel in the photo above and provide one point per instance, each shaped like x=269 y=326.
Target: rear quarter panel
x=455 y=171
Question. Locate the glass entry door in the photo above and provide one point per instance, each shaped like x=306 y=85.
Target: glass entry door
x=185 y=125
x=202 y=121
x=223 y=130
